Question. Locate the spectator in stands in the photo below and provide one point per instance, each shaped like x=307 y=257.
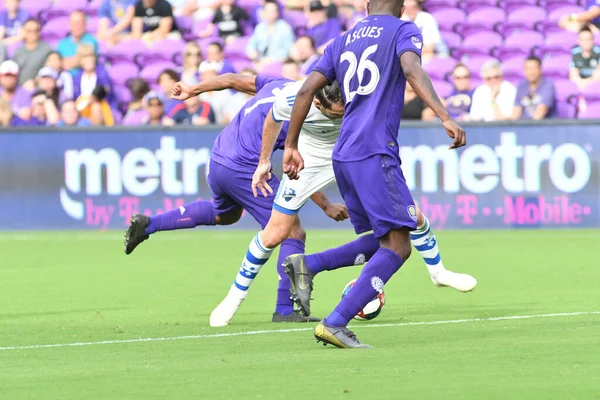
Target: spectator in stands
x=154 y=104
x=115 y=20
x=135 y=111
x=191 y=60
x=536 y=95
x=218 y=99
x=193 y=112
x=215 y=60
x=18 y=97
x=460 y=100
x=89 y=77
x=153 y=21
x=236 y=101
x=271 y=39
x=43 y=110
x=31 y=57
x=65 y=79
x=198 y=9
x=305 y=54
x=414 y=106
x=590 y=17
x=320 y=28
x=433 y=44
x=359 y=12
x=228 y=20
x=291 y=70
x=98 y=110
x=47 y=81
x=12 y=20
x=585 y=60
x=7 y=116
x=495 y=99
x=166 y=80
x=67 y=47
x=69 y=116
x=257 y=13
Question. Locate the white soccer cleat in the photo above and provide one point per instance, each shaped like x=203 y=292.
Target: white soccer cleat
x=225 y=311
x=460 y=282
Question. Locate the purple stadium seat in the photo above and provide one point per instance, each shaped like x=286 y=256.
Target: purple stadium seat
x=297 y=20
x=448 y=18
x=92 y=24
x=125 y=51
x=566 y=110
x=473 y=5
x=65 y=7
x=55 y=28
x=272 y=69
x=591 y=111
x=439 y=68
x=565 y=90
x=519 y=43
x=557 y=13
x=35 y=6
x=474 y=63
x=10 y=48
x=123 y=93
x=123 y=71
x=512 y=5
x=513 y=67
x=557 y=66
x=481 y=20
x=443 y=88
x=184 y=23
x=164 y=50
x=592 y=92
x=523 y=18
x=239 y=64
x=237 y=47
x=150 y=73
x=433 y=5
x=552 y=6
x=200 y=25
x=452 y=39
x=559 y=43
x=93 y=7
x=478 y=44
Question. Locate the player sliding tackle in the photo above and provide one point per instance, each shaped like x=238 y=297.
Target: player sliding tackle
x=234 y=158
x=372 y=61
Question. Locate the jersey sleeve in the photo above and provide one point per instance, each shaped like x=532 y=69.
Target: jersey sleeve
x=326 y=65
x=262 y=80
x=409 y=39
x=284 y=102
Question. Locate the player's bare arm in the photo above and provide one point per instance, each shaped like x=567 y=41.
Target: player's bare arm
x=292 y=160
x=337 y=212
x=239 y=82
x=420 y=82
x=271 y=130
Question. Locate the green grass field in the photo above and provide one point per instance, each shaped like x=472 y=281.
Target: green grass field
x=64 y=288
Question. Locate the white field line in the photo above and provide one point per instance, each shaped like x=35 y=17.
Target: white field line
x=262 y=332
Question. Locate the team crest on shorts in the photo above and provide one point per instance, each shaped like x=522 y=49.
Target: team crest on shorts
x=288 y=194
x=412 y=211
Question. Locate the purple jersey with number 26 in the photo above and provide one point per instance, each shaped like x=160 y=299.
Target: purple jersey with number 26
x=366 y=63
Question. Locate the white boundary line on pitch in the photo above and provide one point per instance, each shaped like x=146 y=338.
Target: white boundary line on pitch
x=261 y=332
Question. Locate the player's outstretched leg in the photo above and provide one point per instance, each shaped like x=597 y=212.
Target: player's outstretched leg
x=386 y=261
x=187 y=216
x=301 y=269
x=425 y=243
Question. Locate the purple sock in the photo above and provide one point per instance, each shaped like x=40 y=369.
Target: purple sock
x=378 y=271
x=354 y=253
x=285 y=305
x=199 y=212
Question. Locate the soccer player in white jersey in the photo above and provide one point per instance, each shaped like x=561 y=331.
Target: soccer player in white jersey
x=317 y=139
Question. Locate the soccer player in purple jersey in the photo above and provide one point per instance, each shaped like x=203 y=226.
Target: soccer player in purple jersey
x=372 y=63
x=234 y=158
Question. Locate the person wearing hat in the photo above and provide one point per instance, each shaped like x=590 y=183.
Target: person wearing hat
x=321 y=28
x=154 y=104
x=18 y=97
x=47 y=81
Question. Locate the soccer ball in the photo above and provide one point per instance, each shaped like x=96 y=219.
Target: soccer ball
x=372 y=309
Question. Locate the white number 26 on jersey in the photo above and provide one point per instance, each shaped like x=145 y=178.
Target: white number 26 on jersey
x=363 y=64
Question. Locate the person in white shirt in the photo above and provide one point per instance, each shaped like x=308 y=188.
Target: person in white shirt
x=495 y=99
x=433 y=44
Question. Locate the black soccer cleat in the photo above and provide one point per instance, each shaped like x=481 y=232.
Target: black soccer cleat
x=295 y=316
x=136 y=233
x=301 y=279
x=339 y=336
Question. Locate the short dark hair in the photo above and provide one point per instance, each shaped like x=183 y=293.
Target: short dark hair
x=171 y=73
x=534 y=58
x=139 y=88
x=218 y=44
x=31 y=19
x=310 y=39
x=330 y=94
x=289 y=61
x=585 y=29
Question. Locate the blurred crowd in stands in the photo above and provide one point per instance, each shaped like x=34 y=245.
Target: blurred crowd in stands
x=113 y=62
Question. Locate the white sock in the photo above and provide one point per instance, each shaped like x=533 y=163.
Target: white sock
x=256 y=256
x=424 y=241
